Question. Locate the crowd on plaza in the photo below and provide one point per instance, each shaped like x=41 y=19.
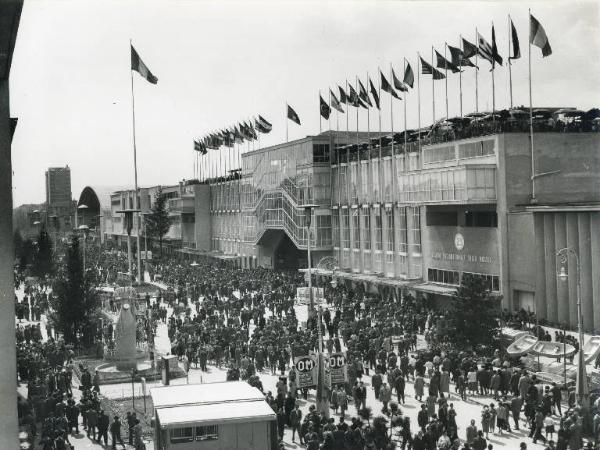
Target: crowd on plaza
x=244 y=320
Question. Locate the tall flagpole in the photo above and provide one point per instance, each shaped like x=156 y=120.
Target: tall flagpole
x=392 y=128
x=533 y=199
x=446 y=74
x=368 y=123
x=286 y=122
x=357 y=108
x=432 y=86
x=509 y=62
x=405 y=98
x=460 y=79
x=136 y=201
x=419 y=68
x=476 y=72
x=493 y=83
x=329 y=118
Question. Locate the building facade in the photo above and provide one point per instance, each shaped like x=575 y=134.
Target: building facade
x=59 y=203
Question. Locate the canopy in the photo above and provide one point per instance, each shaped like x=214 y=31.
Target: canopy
x=189 y=394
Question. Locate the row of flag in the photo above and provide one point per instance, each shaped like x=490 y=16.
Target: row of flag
x=459 y=58
x=243 y=131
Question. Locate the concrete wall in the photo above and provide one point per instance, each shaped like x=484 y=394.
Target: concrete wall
x=521 y=254
x=203 y=232
x=575 y=155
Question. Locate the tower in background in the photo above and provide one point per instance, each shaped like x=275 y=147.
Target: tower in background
x=59 y=205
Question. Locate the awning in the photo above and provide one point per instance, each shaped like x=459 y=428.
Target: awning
x=216 y=413
x=433 y=288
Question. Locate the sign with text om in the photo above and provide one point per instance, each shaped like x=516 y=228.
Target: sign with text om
x=303 y=297
x=338 y=368
x=306 y=369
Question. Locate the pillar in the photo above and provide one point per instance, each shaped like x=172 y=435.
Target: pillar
x=549 y=247
x=540 y=260
x=8 y=356
x=585 y=258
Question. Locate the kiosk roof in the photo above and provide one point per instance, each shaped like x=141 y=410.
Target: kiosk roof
x=197 y=394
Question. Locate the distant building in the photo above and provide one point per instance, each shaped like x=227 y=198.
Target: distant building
x=59 y=204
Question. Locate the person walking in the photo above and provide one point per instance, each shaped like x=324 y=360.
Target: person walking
x=103 y=422
x=115 y=433
x=295 y=422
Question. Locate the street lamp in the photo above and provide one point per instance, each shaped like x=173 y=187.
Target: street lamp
x=85 y=230
x=307 y=220
x=582 y=389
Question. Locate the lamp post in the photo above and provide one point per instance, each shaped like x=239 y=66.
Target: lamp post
x=582 y=389
x=85 y=230
x=307 y=220
x=128 y=216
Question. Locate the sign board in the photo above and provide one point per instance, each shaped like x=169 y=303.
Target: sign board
x=303 y=297
x=306 y=371
x=338 y=368
x=143 y=254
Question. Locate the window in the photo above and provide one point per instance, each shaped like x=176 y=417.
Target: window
x=415 y=230
x=354 y=186
x=389 y=232
x=378 y=230
x=345 y=228
x=485 y=219
x=321 y=153
x=438 y=154
x=365 y=190
x=343 y=188
x=355 y=230
x=402 y=230
x=207 y=433
x=450 y=277
x=375 y=181
x=366 y=228
x=442 y=218
x=335 y=227
x=474 y=149
x=492 y=282
x=182 y=435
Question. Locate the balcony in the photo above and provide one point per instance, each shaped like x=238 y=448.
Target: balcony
x=183 y=205
x=459 y=184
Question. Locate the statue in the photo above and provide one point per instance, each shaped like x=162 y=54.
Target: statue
x=125 y=339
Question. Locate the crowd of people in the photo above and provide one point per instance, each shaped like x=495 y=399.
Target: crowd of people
x=245 y=320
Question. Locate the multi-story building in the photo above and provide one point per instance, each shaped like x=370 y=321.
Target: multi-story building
x=59 y=203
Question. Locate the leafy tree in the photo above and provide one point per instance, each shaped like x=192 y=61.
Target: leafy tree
x=74 y=301
x=43 y=262
x=473 y=314
x=26 y=253
x=158 y=221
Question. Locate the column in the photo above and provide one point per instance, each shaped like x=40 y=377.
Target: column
x=540 y=259
x=8 y=367
x=595 y=266
x=550 y=258
x=585 y=258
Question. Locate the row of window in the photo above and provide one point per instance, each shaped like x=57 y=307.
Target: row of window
x=453 y=278
x=190 y=434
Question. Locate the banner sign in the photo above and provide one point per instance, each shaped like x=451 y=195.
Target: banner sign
x=306 y=371
x=338 y=368
x=303 y=297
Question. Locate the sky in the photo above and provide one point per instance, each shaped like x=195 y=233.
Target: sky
x=222 y=62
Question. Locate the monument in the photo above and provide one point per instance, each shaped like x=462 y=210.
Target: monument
x=125 y=339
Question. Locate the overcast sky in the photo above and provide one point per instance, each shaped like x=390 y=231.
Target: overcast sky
x=221 y=62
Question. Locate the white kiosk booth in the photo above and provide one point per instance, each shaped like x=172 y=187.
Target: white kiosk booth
x=214 y=416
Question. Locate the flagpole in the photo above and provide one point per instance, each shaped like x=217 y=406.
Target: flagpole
x=419 y=68
x=509 y=62
x=432 y=86
x=460 y=77
x=446 y=74
x=329 y=118
x=286 y=122
x=533 y=199
x=379 y=115
x=392 y=128
x=493 y=83
x=368 y=123
x=135 y=171
x=357 y=108
x=476 y=72
x=405 y=98
x=347 y=120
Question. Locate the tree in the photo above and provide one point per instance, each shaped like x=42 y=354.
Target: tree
x=43 y=262
x=18 y=246
x=74 y=301
x=473 y=314
x=158 y=221
x=25 y=254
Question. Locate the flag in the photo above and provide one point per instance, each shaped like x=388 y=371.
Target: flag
x=458 y=57
x=238 y=136
x=228 y=138
x=409 y=76
x=537 y=36
x=335 y=103
x=497 y=57
x=262 y=125
x=199 y=146
x=246 y=132
x=353 y=99
x=485 y=49
x=515 y=42
x=343 y=96
x=444 y=63
x=374 y=93
x=469 y=50
x=251 y=130
x=324 y=108
x=397 y=83
x=363 y=94
x=292 y=115
x=138 y=65
x=387 y=87
x=428 y=69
